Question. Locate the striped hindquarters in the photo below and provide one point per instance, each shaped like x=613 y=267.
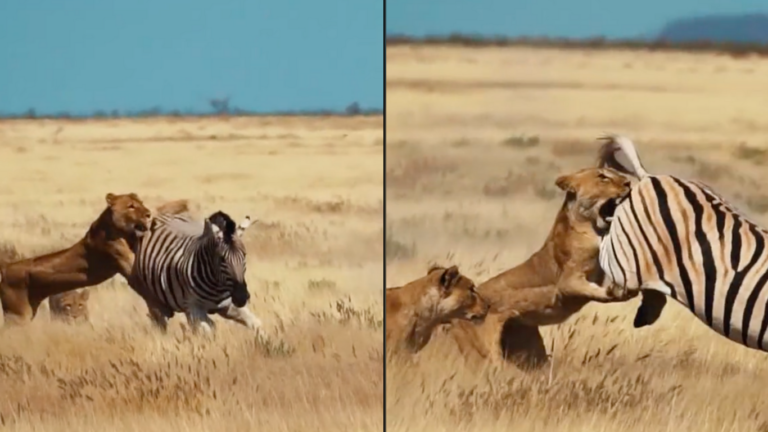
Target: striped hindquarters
x=681 y=238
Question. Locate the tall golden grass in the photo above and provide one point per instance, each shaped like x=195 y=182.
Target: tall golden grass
x=314 y=271
x=475 y=140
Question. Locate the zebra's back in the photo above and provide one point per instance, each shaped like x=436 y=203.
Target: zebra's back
x=681 y=238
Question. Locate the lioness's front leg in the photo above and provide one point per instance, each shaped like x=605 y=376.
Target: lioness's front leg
x=577 y=285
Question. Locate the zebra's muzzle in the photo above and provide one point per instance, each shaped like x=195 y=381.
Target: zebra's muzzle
x=240 y=296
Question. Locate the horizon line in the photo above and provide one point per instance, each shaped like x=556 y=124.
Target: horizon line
x=32 y=114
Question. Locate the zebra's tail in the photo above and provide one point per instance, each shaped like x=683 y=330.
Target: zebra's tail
x=613 y=148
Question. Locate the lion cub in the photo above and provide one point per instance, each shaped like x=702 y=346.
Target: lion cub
x=70 y=306
x=555 y=282
x=415 y=309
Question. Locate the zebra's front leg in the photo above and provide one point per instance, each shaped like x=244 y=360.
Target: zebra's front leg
x=159 y=319
x=241 y=315
x=198 y=319
x=154 y=304
x=650 y=308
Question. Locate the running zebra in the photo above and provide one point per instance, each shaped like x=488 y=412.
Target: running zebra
x=196 y=268
x=679 y=238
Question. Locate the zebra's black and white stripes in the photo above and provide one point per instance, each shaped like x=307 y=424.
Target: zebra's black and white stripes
x=680 y=238
x=196 y=268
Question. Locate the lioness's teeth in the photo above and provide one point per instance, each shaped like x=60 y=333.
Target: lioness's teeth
x=609 y=218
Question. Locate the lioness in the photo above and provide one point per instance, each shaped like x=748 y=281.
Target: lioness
x=555 y=282
x=70 y=306
x=414 y=310
x=105 y=250
x=178 y=206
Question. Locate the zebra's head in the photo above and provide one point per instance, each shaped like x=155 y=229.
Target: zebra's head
x=233 y=252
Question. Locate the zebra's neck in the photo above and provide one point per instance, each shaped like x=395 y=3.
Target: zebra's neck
x=207 y=256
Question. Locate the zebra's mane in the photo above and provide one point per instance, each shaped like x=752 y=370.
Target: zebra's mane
x=183 y=226
x=225 y=223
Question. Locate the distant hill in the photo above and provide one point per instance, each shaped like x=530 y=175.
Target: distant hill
x=751 y=28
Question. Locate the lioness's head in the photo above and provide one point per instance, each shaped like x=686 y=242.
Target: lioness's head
x=458 y=298
x=597 y=192
x=129 y=215
x=71 y=306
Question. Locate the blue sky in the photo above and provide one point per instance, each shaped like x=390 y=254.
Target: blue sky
x=267 y=55
x=564 y=18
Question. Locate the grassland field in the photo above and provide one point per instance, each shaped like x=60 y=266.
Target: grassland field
x=314 y=271
x=475 y=140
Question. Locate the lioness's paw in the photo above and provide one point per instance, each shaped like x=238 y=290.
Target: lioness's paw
x=621 y=293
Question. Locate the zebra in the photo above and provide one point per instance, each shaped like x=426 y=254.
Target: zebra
x=195 y=268
x=679 y=238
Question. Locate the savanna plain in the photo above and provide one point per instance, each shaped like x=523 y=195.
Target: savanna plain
x=475 y=140
x=314 y=185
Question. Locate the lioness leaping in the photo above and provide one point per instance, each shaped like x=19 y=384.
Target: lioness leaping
x=555 y=282
x=415 y=309
x=104 y=251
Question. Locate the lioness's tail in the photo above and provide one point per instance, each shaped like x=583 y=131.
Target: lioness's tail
x=615 y=146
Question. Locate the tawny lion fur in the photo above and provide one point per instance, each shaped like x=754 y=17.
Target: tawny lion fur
x=104 y=251
x=555 y=282
x=70 y=306
x=414 y=310
x=174 y=207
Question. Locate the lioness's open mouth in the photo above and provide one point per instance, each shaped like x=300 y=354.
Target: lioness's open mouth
x=609 y=207
x=139 y=229
x=606 y=212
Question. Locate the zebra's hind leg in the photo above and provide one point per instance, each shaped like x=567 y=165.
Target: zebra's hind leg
x=241 y=315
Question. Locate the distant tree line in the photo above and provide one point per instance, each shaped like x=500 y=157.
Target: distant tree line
x=734 y=49
x=219 y=108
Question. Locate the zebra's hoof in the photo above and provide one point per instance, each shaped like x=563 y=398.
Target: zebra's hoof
x=255 y=324
x=205 y=329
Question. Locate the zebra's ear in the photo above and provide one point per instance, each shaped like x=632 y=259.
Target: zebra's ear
x=243 y=226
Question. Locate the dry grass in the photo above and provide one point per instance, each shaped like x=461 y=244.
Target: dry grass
x=314 y=272
x=475 y=141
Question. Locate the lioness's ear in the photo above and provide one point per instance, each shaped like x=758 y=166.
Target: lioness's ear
x=449 y=277
x=565 y=182
x=84 y=294
x=110 y=199
x=134 y=196
x=434 y=267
